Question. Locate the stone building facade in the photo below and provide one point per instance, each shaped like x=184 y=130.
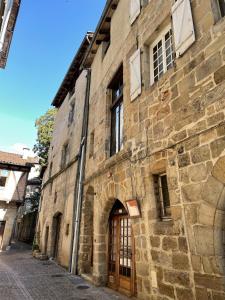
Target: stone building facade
x=57 y=210
x=153 y=198
x=9 y=10
x=156 y=136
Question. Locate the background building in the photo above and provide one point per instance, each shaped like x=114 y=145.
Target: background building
x=8 y=14
x=58 y=209
x=14 y=170
x=27 y=213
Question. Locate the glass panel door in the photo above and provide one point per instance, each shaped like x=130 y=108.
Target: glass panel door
x=125 y=247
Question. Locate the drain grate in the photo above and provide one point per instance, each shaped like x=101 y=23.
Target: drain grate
x=58 y=275
x=83 y=287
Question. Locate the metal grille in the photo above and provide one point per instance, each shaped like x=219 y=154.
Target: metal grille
x=163 y=55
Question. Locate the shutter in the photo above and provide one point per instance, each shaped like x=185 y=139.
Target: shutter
x=135 y=9
x=184 y=34
x=135 y=75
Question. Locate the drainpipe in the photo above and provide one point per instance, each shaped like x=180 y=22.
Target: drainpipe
x=77 y=203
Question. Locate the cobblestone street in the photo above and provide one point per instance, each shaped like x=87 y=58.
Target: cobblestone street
x=24 y=277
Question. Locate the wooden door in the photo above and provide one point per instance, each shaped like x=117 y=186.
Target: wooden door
x=46 y=240
x=2 y=229
x=121 y=254
x=57 y=235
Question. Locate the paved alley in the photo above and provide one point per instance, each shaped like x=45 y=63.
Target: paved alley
x=23 y=277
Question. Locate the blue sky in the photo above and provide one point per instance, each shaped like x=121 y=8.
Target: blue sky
x=46 y=37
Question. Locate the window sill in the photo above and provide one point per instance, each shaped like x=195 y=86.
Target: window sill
x=219 y=25
x=162 y=79
x=117 y=157
x=166 y=219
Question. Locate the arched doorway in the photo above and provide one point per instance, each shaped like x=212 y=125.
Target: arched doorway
x=121 y=264
x=46 y=240
x=56 y=234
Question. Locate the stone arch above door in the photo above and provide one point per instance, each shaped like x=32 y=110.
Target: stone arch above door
x=209 y=231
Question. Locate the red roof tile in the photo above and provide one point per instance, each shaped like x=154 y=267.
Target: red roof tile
x=16 y=159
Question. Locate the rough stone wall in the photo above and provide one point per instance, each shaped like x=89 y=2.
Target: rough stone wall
x=58 y=189
x=8 y=213
x=176 y=125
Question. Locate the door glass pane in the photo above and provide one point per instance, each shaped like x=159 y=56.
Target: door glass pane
x=125 y=247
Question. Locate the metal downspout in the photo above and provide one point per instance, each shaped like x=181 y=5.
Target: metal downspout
x=77 y=204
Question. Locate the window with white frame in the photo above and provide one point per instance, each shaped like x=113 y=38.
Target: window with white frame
x=162 y=195
x=4 y=174
x=161 y=54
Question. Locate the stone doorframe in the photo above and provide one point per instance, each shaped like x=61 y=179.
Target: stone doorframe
x=100 y=271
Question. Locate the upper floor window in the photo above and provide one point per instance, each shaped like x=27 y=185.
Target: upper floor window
x=3 y=177
x=71 y=114
x=116 y=87
x=50 y=170
x=65 y=156
x=221 y=4
x=162 y=195
x=161 y=54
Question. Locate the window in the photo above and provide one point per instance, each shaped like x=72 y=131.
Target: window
x=50 y=170
x=162 y=55
x=67 y=229
x=116 y=87
x=71 y=92
x=71 y=114
x=162 y=195
x=3 y=177
x=65 y=156
x=105 y=46
x=50 y=187
x=221 y=4
x=55 y=197
x=92 y=141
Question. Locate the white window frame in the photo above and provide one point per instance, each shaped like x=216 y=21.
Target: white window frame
x=161 y=37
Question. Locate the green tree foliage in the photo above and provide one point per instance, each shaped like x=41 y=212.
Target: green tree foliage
x=44 y=125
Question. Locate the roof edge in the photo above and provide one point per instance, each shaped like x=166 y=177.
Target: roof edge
x=73 y=71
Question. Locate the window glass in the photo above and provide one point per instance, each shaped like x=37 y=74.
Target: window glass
x=222 y=7
x=3 y=177
x=162 y=55
x=162 y=195
x=116 y=87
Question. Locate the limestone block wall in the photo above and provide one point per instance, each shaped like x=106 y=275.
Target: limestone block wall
x=175 y=126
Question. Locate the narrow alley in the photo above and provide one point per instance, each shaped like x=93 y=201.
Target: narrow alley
x=24 y=277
